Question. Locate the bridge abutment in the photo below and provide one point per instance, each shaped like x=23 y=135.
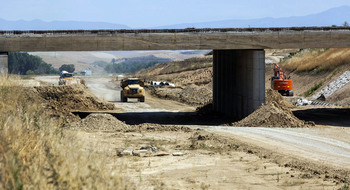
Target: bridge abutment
x=238 y=81
x=3 y=63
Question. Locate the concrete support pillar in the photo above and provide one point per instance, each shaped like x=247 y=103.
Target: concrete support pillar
x=4 y=63
x=238 y=81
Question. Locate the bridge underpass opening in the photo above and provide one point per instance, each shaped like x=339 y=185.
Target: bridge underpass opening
x=238 y=81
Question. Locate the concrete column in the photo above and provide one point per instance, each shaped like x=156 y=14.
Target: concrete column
x=238 y=81
x=3 y=63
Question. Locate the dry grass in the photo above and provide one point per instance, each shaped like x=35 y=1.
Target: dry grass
x=317 y=60
x=179 y=66
x=36 y=154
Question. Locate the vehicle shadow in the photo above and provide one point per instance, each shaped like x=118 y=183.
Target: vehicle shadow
x=326 y=116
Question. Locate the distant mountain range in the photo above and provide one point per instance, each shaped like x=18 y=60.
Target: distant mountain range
x=57 y=25
x=335 y=16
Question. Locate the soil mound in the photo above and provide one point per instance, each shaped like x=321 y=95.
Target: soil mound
x=271 y=115
x=191 y=95
x=60 y=101
x=107 y=122
x=274 y=113
x=101 y=122
x=72 y=98
x=272 y=96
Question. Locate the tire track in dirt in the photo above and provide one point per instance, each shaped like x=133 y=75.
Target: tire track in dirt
x=293 y=142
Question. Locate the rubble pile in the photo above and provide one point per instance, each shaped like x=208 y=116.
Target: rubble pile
x=274 y=113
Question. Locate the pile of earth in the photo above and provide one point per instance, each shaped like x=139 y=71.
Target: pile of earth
x=272 y=96
x=101 y=122
x=198 y=77
x=62 y=100
x=107 y=122
x=192 y=95
x=274 y=113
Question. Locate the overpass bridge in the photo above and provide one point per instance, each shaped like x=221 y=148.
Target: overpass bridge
x=239 y=57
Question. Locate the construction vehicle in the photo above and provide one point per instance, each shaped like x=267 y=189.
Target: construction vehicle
x=132 y=88
x=281 y=83
x=66 y=78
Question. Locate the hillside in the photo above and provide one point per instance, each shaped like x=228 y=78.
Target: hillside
x=81 y=60
x=57 y=25
x=178 y=66
x=308 y=68
x=335 y=16
x=319 y=67
x=193 y=78
x=84 y=60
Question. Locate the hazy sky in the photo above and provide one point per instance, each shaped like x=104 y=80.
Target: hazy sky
x=148 y=13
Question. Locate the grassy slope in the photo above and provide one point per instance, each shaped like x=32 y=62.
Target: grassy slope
x=313 y=66
x=318 y=60
x=179 y=66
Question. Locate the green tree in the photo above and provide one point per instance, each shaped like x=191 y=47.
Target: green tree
x=67 y=67
x=30 y=72
x=21 y=62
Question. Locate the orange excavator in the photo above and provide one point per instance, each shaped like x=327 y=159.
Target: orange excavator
x=281 y=83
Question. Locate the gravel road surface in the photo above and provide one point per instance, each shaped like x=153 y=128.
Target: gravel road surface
x=324 y=145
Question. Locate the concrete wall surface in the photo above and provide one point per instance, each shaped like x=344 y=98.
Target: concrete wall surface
x=3 y=63
x=108 y=40
x=238 y=81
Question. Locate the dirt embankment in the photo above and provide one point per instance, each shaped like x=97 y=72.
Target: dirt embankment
x=274 y=113
x=60 y=101
x=192 y=77
x=192 y=95
x=193 y=87
x=107 y=122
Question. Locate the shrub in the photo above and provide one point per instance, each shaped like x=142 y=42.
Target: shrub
x=313 y=89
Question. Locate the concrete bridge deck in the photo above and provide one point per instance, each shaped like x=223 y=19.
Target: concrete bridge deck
x=175 y=39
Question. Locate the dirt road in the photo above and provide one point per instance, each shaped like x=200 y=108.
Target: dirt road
x=106 y=89
x=330 y=146
x=323 y=146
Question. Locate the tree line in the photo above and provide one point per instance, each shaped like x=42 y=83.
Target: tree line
x=129 y=67
x=25 y=64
